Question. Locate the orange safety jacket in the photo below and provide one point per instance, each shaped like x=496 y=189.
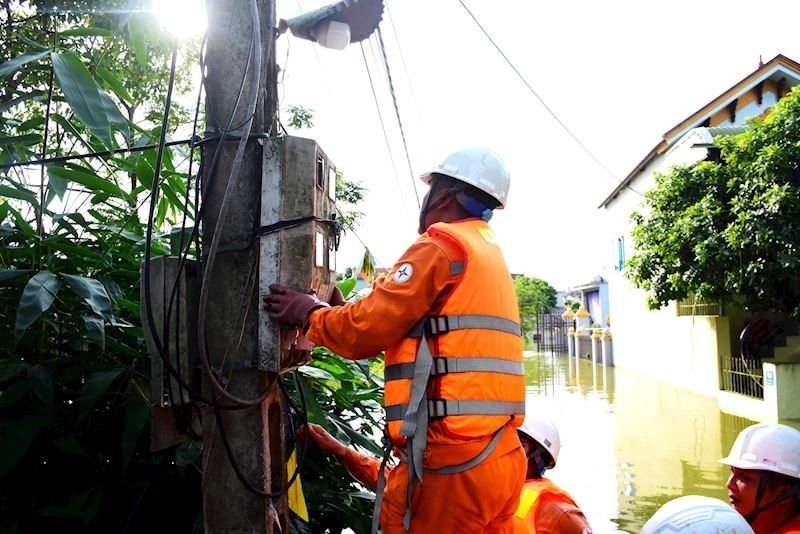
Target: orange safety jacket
x=773 y=519
x=465 y=358
x=447 y=315
x=461 y=365
x=544 y=508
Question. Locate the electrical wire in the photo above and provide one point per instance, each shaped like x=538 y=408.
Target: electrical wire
x=235 y=465
x=403 y=62
x=542 y=102
x=230 y=186
x=383 y=127
x=397 y=112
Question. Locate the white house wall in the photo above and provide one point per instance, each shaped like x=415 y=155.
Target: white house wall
x=676 y=350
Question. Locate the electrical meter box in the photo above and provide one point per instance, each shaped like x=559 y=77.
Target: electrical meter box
x=298 y=239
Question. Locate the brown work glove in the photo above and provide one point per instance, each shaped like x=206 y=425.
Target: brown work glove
x=291 y=307
x=337 y=299
x=324 y=441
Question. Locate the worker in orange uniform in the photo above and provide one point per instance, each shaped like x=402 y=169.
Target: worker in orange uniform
x=544 y=508
x=446 y=316
x=764 y=485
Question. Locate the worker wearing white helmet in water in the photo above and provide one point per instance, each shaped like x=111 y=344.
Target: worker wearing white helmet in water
x=544 y=508
x=764 y=485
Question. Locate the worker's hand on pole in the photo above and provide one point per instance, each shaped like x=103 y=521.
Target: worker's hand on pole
x=289 y=306
x=323 y=439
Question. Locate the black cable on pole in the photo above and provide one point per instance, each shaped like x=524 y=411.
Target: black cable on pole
x=233 y=178
x=397 y=112
x=542 y=102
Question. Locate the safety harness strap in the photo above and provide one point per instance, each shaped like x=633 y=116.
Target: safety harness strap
x=415 y=423
x=440 y=324
x=446 y=407
x=468 y=364
x=379 y=488
x=469 y=464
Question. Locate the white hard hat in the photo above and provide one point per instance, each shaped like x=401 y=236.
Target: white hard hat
x=767 y=447
x=696 y=514
x=478 y=167
x=543 y=431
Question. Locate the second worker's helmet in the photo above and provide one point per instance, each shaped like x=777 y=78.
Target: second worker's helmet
x=479 y=167
x=543 y=431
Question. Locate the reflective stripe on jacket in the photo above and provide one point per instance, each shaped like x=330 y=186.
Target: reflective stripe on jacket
x=477 y=382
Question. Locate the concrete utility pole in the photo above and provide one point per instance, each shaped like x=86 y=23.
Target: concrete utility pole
x=255 y=434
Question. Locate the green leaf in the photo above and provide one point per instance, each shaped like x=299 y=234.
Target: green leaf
x=137 y=38
x=31 y=42
x=12 y=394
x=19 y=220
x=15 y=442
x=19 y=194
x=95 y=330
x=82 y=94
x=92 y=291
x=136 y=416
x=32 y=95
x=70 y=445
x=115 y=116
x=86 y=32
x=129 y=305
x=94 y=389
x=37 y=297
x=10 y=274
x=315 y=412
x=188 y=452
x=41 y=381
x=68 y=126
x=315 y=372
x=87 y=178
x=145 y=166
x=57 y=184
x=12 y=65
x=115 y=84
x=27 y=139
x=347 y=286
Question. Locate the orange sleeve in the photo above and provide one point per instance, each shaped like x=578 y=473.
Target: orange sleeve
x=413 y=287
x=363 y=468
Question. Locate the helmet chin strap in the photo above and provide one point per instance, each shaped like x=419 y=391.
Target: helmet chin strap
x=794 y=491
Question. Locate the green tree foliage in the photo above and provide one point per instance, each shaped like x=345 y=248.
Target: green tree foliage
x=78 y=77
x=534 y=296
x=349 y=194
x=728 y=231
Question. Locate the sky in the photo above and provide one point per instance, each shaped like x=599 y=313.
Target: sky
x=617 y=74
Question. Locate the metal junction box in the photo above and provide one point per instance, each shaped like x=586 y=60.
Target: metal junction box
x=299 y=237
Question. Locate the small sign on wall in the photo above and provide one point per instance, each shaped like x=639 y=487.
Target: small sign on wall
x=769 y=378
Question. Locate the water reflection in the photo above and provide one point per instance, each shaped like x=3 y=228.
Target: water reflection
x=629 y=443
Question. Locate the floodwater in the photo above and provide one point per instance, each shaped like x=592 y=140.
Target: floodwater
x=629 y=443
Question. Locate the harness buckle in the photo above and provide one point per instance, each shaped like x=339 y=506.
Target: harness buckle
x=437 y=408
x=439 y=367
x=436 y=325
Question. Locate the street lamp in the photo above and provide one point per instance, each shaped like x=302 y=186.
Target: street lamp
x=336 y=25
